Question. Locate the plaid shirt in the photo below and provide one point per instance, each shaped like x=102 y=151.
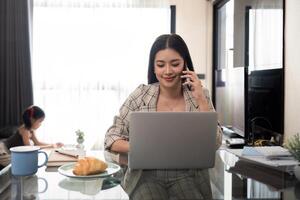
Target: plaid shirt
x=144 y=98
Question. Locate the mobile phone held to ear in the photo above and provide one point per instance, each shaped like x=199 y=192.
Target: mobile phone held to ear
x=187 y=79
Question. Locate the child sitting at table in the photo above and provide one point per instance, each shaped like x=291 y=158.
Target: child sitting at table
x=25 y=134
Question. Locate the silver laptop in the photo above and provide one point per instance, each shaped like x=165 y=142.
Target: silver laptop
x=172 y=140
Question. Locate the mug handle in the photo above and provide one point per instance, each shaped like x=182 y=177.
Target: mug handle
x=46 y=159
x=46 y=185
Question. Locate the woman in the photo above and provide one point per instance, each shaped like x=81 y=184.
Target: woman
x=173 y=86
x=25 y=134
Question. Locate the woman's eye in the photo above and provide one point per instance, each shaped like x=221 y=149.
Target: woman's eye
x=160 y=65
x=175 y=64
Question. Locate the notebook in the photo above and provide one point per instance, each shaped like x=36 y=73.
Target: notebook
x=172 y=140
x=59 y=157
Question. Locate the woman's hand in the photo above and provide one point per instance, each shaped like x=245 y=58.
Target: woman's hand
x=196 y=88
x=195 y=84
x=120 y=146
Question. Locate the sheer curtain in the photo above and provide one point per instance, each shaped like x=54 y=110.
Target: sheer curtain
x=266 y=35
x=88 y=56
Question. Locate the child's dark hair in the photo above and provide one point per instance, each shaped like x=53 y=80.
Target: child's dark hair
x=32 y=112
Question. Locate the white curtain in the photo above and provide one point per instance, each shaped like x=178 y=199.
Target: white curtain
x=266 y=35
x=88 y=55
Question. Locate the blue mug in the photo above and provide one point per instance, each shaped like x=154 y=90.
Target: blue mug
x=24 y=160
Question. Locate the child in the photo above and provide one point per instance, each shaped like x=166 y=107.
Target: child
x=25 y=134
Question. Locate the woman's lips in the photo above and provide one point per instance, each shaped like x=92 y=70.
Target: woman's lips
x=169 y=78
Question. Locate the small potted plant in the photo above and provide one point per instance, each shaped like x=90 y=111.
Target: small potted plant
x=80 y=138
x=293 y=145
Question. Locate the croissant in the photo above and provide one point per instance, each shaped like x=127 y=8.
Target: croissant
x=88 y=166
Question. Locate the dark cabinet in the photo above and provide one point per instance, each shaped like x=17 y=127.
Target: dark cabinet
x=248 y=72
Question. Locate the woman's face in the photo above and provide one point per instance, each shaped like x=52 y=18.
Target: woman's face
x=37 y=123
x=168 y=67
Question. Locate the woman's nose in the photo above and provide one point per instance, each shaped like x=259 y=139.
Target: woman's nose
x=168 y=69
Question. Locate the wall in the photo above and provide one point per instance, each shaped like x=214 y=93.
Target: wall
x=194 y=24
x=292 y=68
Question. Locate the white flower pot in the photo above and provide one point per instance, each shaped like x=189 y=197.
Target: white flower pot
x=80 y=140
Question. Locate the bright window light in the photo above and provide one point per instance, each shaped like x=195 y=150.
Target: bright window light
x=86 y=61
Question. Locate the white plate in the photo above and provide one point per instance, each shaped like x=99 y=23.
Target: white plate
x=67 y=170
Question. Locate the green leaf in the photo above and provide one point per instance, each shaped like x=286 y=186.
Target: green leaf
x=293 y=145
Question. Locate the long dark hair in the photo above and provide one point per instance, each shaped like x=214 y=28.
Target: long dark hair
x=172 y=41
x=32 y=112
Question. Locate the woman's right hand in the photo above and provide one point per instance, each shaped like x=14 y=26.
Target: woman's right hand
x=120 y=146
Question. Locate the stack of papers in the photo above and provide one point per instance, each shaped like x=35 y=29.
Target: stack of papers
x=60 y=157
x=270 y=152
x=273 y=156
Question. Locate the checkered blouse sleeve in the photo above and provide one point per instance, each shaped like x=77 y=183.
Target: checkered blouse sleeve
x=120 y=128
x=211 y=107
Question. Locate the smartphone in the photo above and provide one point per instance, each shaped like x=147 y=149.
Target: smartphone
x=186 y=79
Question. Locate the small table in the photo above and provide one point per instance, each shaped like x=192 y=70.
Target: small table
x=247 y=180
x=47 y=184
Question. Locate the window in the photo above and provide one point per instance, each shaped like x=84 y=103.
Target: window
x=87 y=58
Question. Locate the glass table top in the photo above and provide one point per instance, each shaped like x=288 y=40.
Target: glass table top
x=231 y=178
x=48 y=183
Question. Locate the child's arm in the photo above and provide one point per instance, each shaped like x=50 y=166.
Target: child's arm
x=25 y=137
x=44 y=145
